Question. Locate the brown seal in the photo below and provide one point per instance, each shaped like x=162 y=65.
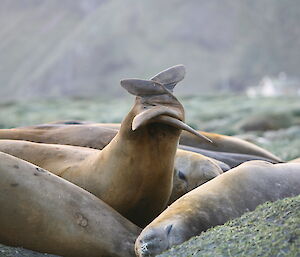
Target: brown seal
x=223 y=143
x=89 y=135
x=226 y=197
x=43 y=212
x=192 y=170
x=133 y=173
x=231 y=159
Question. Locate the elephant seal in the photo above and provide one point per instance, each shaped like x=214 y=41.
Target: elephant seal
x=223 y=143
x=231 y=159
x=226 y=197
x=89 y=135
x=192 y=170
x=43 y=212
x=139 y=160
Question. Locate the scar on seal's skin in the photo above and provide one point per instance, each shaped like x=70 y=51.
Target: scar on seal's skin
x=81 y=220
x=39 y=169
x=14 y=184
x=16 y=166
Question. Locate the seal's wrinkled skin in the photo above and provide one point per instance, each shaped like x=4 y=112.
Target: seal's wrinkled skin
x=226 y=197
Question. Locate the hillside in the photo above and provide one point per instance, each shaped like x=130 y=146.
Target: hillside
x=56 y=48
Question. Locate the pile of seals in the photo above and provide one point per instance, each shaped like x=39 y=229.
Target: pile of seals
x=88 y=189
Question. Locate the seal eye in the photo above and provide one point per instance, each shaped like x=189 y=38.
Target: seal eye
x=181 y=175
x=168 y=229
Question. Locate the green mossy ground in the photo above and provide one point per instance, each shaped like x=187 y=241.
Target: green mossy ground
x=273 y=229
x=6 y=251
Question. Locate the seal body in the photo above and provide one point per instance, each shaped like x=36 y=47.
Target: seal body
x=43 y=212
x=223 y=143
x=226 y=197
x=85 y=135
x=231 y=159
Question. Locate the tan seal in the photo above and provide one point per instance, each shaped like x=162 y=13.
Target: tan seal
x=231 y=159
x=223 y=143
x=43 y=212
x=133 y=173
x=89 y=135
x=192 y=170
x=226 y=197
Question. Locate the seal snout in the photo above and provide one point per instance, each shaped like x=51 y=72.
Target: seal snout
x=151 y=242
x=142 y=250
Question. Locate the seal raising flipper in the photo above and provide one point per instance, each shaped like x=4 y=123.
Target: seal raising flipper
x=134 y=172
x=157 y=87
x=226 y=197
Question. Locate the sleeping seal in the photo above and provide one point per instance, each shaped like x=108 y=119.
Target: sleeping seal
x=43 y=212
x=192 y=170
x=225 y=197
x=223 y=143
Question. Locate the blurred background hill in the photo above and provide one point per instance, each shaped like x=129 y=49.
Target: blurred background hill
x=76 y=48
